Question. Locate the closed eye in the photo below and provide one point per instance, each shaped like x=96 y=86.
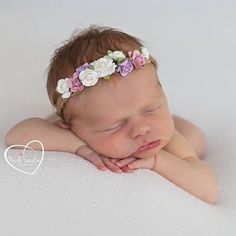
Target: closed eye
x=154 y=109
x=113 y=128
x=110 y=129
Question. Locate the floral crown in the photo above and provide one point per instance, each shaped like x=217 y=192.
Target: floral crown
x=88 y=74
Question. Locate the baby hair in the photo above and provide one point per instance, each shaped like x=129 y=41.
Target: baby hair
x=86 y=46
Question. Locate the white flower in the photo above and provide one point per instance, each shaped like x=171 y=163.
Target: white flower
x=63 y=88
x=88 y=77
x=116 y=55
x=104 y=66
x=145 y=53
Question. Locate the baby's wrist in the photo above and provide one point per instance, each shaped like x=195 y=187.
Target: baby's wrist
x=80 y=149
x=156 y=157
x=84 y=150
x=79 y=145
x=155 y=160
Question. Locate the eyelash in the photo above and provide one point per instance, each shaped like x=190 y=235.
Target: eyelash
x=111 y=129
x=151 y=110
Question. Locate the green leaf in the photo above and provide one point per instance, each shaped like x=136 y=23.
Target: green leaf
x=109 y=52
x=106 y=77
x=120 y=60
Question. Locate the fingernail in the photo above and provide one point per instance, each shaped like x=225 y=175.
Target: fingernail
x=119 y=171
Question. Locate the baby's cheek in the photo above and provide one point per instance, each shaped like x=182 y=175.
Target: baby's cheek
x=167 y=130
x=114 y=147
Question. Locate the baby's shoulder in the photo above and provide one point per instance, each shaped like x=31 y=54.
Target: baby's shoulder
x=179 y=146
x=53 y=118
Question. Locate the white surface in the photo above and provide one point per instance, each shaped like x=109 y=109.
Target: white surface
x=195 y=44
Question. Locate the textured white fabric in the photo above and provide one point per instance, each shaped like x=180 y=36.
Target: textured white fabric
x=69 y=195
x=195 y=47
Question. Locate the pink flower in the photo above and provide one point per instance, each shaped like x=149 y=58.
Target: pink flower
x=75 y=84
x=138 y=60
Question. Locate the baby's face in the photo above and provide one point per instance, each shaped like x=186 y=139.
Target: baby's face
x=124 y=113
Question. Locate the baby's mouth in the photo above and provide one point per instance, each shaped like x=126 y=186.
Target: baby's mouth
x=147 y=146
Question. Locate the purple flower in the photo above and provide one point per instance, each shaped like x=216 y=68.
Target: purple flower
x=138 y=58
x=75 y=84
x=125 y=67
x=81 y=68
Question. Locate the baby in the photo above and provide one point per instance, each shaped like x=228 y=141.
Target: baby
x=112 y=111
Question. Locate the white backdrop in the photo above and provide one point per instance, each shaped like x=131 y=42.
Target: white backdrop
x=194 y=43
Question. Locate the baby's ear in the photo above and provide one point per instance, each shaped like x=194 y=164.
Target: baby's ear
x=63 y=124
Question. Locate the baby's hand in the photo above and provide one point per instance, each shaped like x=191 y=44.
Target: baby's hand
x=144 y=163
x=102 y=162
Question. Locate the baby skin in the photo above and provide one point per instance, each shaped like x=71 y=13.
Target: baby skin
x=109 y=123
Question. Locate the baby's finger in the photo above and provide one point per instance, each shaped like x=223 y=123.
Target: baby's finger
x=125 y=161
x=96 y=160
x=126 y=169
x=139 y=163
x=113 y=160
x=111 y=165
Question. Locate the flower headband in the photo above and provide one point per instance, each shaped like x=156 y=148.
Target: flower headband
x=89 y=73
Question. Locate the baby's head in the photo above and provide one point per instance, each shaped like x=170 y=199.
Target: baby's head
x=116 y=115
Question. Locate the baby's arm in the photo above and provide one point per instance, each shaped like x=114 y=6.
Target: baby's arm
x=190 y=174
x=178 y=163
x=52 y=136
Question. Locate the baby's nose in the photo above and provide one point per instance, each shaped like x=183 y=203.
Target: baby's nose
x=140 y=130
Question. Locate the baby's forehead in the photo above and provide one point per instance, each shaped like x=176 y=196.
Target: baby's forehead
x=139 y=87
